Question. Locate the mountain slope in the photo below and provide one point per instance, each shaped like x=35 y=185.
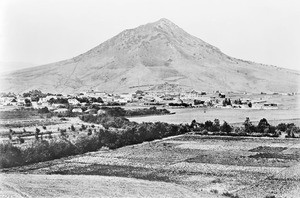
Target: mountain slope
x=149 y=55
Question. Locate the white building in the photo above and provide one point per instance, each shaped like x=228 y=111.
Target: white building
x=73 y=101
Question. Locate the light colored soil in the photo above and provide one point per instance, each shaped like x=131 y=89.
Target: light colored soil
x=16 y=185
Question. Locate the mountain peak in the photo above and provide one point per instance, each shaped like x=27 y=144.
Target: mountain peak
x=164 y=22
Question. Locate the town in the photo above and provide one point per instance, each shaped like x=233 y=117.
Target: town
x=84 y=102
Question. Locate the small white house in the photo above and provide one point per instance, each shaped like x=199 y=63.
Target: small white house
x=61 y=110
x=77 y=110
x=101 y=112
x=73 y=101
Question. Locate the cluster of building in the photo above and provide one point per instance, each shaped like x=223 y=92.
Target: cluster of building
x=180 y=99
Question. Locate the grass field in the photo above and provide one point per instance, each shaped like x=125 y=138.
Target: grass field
x=214 y=165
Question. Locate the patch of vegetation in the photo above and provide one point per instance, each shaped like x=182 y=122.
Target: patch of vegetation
x=214 y=191
x=118 y=132
x=268 y=149
x=276 y=156
x=270 y=196
x=120 y=112
x=22 y=113
x=119 y=171
x=263 y=129
x=231 y=195
x=29 y=123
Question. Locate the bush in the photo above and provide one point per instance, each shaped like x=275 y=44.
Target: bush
x=281 y=127
x=10 y=155
x=61 y=148
x=263 y=126
x=216 y=126
x=37 y=152
x=270 y=196
x=43 y=110
x=208 y=124
x=226 y=127
x=227 y=194
x=88 y=143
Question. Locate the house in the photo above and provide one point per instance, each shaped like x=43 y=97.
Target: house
x=222 y=95
x=192 y=94
x=270 y=105
x=77 y=110
x=73 y=101
x=96 y=94
x=47 y=98
x=21 y=101
x=34 y=104
x=126 y=96
x=91 y=111
x=61 y=110
x=101 y=112
x=245 y=101
x=8 y=101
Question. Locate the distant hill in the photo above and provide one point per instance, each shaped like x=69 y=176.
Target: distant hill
x=148 y=56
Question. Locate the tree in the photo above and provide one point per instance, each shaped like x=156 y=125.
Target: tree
x=37 y=133
x=27 y=102
x=208 y=124
x=249 y=128
x=216 y=126
x=281 y=127
x=226 y=127
x=263 y=126
x=250 y=104
x=99 y=100
x=193 y=124
x=43 y=110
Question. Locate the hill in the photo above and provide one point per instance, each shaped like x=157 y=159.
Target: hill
x=148 y=56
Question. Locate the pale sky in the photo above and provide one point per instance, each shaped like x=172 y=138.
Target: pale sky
x=35 y=32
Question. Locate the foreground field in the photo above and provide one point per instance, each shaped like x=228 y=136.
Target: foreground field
x=15 y=185
x=190 y=165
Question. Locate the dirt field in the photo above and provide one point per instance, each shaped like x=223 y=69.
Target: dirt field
x=16 y=185
x=190 y=165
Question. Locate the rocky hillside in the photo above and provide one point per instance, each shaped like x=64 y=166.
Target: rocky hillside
x=150 y=55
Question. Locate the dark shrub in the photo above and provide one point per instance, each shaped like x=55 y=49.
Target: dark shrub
x=249 y=128
x=216 y=126
x=88 y=143
x=208 y=124
x=226 y=127
x=37 y=152
x=263 y=126
x=61 y=148
x=43 y=110
x=10 y=155
x=281 y=127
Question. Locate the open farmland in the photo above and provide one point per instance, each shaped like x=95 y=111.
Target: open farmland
x=288 y=111
x=249 y=167
x=184 y=115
